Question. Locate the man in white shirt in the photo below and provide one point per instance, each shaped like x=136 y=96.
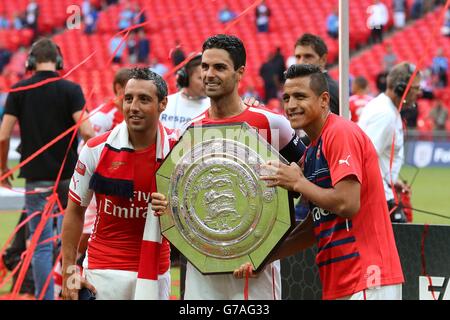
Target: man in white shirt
x=380 y=119
x=190 y=101
x=378 y=18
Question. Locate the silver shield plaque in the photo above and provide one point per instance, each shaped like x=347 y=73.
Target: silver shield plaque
x=221 y=213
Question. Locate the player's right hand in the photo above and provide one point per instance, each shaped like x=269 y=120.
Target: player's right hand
x=246 y=268
x=159 y=203
x=6 y=182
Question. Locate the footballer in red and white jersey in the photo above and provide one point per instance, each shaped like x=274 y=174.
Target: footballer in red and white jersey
x=116 y=239
x=277 y=131
x=106 y=118
x=356 y=103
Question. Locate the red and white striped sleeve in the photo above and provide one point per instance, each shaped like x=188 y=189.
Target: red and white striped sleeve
x=79 y=191
x=282 y=137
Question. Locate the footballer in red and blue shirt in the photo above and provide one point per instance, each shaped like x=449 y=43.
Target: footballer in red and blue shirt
x=348 y=219
x=350 y=249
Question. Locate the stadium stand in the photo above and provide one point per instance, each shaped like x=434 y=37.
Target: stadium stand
x=192 y=22
x=413 y=43
x=183 y=20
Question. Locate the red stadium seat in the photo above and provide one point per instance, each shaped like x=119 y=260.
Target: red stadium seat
x=192 y=21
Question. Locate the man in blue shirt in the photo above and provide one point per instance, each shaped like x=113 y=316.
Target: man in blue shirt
x=440 y=68
x=226 y=15
x=333 y=24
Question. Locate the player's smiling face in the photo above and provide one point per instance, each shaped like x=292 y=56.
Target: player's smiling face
x=218 y=74
x=141 y=108
x=303 y=107
x=307 y=55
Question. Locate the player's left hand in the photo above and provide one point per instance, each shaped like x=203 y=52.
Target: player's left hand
x=282 y=175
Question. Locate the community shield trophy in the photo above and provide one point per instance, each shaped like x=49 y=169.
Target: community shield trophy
x=221 y=214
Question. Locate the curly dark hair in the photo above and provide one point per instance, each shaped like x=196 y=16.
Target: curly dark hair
x=233 y=45
x=147 y=74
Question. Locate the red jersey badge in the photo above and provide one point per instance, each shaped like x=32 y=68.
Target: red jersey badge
x=80 y=168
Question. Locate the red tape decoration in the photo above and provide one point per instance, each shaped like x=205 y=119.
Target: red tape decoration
x=426 y=228
x=247 y=275
x=34 y=240
x=53 y=199
x=50 y=276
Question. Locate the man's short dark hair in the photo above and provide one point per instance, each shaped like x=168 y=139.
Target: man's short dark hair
x=318 y=83
x=233 y=45
x=147 y=74
x=315 y=42
x=400 y=74
x=44 y=50
x=121 y=78
x=361 y=82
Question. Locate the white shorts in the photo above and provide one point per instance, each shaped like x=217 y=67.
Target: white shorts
x=267 y=286
x=392 y=292
x=120 y=284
